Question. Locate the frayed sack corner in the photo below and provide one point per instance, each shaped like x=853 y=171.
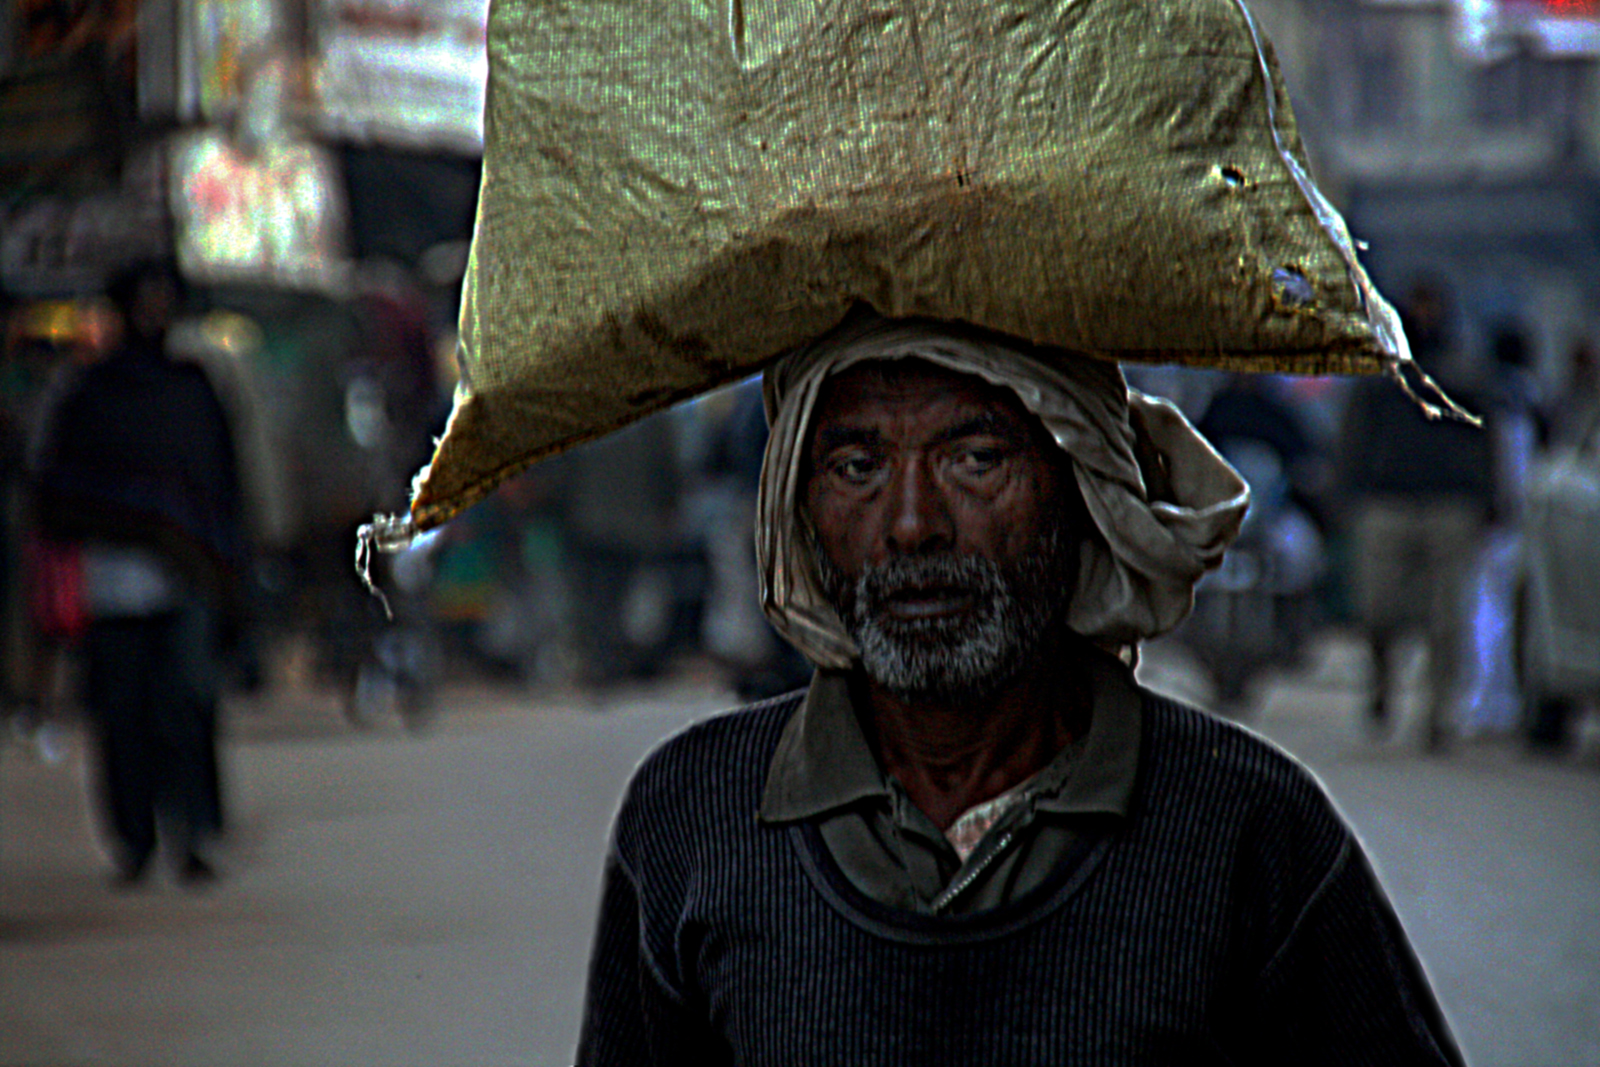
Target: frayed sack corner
x=1441 y=406
x=387 y=534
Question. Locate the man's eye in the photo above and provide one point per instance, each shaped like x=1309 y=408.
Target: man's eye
x=855 y=469
x=979 y=460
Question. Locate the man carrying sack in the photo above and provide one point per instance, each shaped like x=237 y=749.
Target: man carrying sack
x=937 y=228
x=976 y=838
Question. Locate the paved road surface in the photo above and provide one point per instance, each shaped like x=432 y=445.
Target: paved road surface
x=398 y=900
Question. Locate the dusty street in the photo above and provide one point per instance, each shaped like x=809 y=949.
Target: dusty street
x=391 y=899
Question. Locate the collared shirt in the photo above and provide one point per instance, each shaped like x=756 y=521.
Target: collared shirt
x=824 y=771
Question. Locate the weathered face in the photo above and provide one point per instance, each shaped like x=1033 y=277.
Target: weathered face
x=944 y=523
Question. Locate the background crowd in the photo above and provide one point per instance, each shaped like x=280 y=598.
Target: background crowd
x=308 y=172
x=630 y=558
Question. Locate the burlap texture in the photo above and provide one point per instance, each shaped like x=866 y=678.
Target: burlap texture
x=676 y=192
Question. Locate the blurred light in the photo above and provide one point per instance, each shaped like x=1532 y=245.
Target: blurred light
x=101 y=325
x=1490 y=29
x=364 y=414
x=227 y=37
x=444 y=264
x=55 y=321
x=273 y=214
x=231 y=332
x=408 y=71
x=1568 y=8
x=445 y=365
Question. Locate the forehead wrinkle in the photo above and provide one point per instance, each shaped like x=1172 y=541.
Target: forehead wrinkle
x=831 y=437
x=988 y=423
x=897 y=382
x=889 y=378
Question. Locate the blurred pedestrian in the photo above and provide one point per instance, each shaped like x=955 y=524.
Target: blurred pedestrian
x=1419 y=494
x=48 y=344
x=1259 y=611
x=621 y=519
x=138 y=467
x=1573 y=408
x=1520 y=428
x=737 y=633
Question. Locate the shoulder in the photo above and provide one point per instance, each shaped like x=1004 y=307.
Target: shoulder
x=711 y=770
x=1205 y=768
x=1234 y=809
x=116 y=377
x=1199 y=742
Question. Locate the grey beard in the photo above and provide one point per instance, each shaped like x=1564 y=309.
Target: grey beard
x=963 y=658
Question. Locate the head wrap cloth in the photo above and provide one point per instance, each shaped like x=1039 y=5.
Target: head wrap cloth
x=1135 y=580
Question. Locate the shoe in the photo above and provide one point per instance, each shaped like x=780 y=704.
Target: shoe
x=196 y=872
x=50 y=744
x=1376 y=720
x=130 y=872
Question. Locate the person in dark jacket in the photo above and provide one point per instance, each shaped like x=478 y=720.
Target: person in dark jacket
x=975 y=839
x=1420 y=494
x=138 y=466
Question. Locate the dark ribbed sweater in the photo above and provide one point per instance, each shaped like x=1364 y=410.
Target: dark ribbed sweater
x=1231 y=918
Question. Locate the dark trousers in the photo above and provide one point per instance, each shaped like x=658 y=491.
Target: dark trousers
x=148 y=693
x=602 y=575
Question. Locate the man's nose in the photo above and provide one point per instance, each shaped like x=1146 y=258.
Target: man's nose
x=920 y=519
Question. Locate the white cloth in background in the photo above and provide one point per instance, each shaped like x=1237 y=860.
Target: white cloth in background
x=120 y=581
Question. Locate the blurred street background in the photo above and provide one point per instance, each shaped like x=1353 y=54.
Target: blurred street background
x=399 y=899
x=412 y=811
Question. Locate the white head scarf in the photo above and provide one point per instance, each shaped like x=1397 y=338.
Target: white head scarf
x=1136 y=580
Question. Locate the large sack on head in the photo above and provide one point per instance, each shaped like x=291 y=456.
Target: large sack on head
x=675 y=192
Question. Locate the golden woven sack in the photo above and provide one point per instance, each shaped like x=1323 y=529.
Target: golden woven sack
x=676 y=192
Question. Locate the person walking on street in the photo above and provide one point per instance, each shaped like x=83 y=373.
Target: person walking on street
x=138 y=466
x=1421 y=494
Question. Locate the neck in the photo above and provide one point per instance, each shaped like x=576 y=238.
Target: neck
x=952 y=754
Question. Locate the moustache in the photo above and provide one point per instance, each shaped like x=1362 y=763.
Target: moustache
x=944 y=578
